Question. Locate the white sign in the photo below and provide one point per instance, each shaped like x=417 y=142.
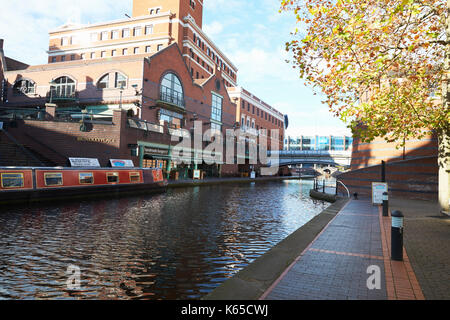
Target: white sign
x=118 y=163
x=84 y=162
x=196 y=174
x=378 y=188
x=253 y=175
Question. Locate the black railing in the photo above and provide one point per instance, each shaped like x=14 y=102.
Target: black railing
x=322 y=186
x=22 y=114
x=56 y=95
x=173 y=99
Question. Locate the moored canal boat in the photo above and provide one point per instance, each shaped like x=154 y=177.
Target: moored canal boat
x=33 y=184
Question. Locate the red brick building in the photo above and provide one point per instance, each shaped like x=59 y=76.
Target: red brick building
x=154 y=25
x=130 y=105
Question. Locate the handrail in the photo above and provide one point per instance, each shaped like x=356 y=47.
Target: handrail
x=348 y=192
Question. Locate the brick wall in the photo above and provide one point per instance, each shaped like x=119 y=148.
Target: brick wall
x=409 y=179
x=60 y=140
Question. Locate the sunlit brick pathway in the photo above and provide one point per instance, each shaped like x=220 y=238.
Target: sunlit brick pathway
x=335 y=265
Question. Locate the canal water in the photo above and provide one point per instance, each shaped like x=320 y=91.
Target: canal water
x=177 y=245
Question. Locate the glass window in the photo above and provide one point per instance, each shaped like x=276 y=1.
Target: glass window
x=137 y=31
x=149 y=29
x=86 y=178
x=120 y=80
x=94 y=37
x=114 y=53
x=53 y=179
x=23 y=87
x=216 y=112
x=171 y=90
x=148 y=49
x=135 y=177
x=112 y=177
x=12 y=180
x=115 y=34
x=64 y=41
x=136 y=50
x=216 y=128
x=92 y=55
x=103 y=83
x=125 y=33
x=63 y=87
x=160 y=46
x=103 y=54
x=104 y=35
x=125 y=52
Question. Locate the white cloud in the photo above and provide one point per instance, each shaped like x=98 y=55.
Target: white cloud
x=213 y=29
x=25 y=24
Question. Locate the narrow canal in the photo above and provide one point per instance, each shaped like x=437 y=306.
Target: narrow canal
x=177 y=245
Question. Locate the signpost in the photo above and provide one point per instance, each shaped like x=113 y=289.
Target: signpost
x=84 y=162
x=118 y=163
x=197 y=174
x=378 y=188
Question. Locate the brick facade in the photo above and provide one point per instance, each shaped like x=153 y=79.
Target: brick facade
x=411 y=171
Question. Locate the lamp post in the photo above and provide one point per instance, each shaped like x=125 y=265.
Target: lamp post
x=52 y=83
x=121 y=90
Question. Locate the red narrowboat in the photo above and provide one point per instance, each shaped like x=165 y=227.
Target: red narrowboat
x=23 y=184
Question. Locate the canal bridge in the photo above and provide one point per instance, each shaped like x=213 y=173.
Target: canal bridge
x=311 y=157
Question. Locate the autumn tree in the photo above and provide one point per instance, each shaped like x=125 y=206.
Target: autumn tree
x=381 y=66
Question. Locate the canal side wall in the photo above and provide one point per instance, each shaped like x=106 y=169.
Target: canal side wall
x=251 y=282
x=216 y=181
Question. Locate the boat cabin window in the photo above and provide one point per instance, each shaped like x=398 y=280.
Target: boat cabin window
x=53 y=179
x=112 y=177
x=12 y=180
x=86 y=178
x=135 y=177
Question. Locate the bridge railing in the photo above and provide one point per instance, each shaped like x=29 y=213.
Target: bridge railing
x=311 y=153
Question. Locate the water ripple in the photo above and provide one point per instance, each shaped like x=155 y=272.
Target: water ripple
x=179 y=245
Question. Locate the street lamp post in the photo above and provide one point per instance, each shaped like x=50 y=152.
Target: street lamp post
x=121 y=90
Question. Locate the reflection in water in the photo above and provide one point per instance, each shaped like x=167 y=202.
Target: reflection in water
x=178 y=245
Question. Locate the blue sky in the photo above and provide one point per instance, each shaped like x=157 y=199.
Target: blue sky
x=251 y=33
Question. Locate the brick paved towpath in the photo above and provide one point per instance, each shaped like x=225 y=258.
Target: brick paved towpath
x=337 y=265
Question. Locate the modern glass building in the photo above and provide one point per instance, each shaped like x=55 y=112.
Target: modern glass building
x=318 y=143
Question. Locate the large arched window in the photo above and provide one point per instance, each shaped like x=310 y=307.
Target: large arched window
x=103 y=83
x=120 y=81
x=24 y=86
x=63 y=87
x=172 y=90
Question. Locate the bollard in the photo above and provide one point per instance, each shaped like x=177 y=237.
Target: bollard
x=397 y=236
x=385 y=204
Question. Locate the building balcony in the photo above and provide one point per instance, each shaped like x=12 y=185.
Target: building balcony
x=55 y=96
x=171 y=102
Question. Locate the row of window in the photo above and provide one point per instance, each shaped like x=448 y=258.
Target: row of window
x=260 y=113
x=109 y=35
x=104 y=54
x=16 y=180
x=213 y=56
x=65 y=86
